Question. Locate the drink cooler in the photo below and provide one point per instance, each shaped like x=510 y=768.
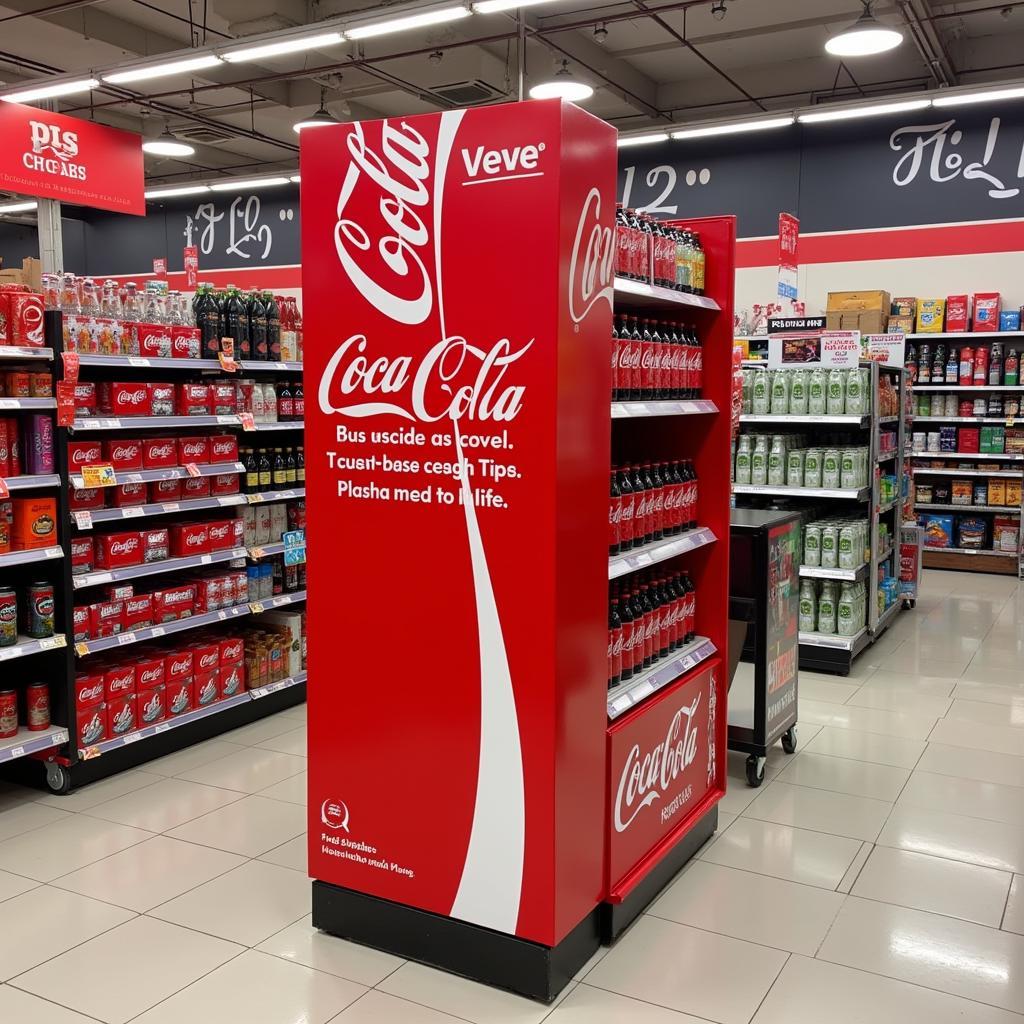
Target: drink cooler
x=394 y=754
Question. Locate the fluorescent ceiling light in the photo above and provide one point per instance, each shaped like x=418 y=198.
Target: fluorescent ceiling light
x=493 y=6
x=45 y=92
x=174 y=67
x=735 y=126
x=167 y=145
x=284 y=46
x=294 y=179
x=866 y=36
x=18 y=207
x=990 y=96
x=642 y=140
x=180 y=190
x=846 y=113
x=321 y=119
x=241 y=186
x=380 y=28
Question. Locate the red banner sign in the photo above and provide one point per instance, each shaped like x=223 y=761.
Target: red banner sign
x=789 y=257
x=58 y=157
x=160 y=266
x=666 y=766
x=466 y=779
x=191 y=261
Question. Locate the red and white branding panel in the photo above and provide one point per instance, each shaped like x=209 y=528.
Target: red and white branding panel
x=666 y=767
x=457 y=285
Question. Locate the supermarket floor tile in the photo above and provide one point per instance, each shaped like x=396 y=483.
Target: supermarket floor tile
x=843 y=775
x=990 y=800
x=164 y=805
x=14 y=885
x=896 y=751
x=192 y=757
x=292 y=854
x=100 y=792
x=247 y=769
x=963 y=762
x=377 y=1008
x=16 y=1005
x=834 y=814
x=293 y=790
x=251 y=826
x=1013 y=918
x=291 y=742
x=589 y=1005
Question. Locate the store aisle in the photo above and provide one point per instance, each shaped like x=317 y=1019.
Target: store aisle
x=877 y=875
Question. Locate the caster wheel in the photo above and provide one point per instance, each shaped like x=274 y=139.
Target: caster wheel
x=789 y=740
x=755 y=770
x=58 y=779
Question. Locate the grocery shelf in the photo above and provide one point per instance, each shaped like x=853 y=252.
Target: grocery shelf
x=851 y=494
x=143 y=476
x=887 y=456
x=963 y=419
x=263 y=496
x=28 y=742
x=27 y=646
x=266 y=550
x=853 y=644
x=172 y=363
x=28 y=480
x=886 y=554
x=640 y=295
x=31 y=555
x=280 y=601
x=288 y=425
x=1011 y=510
x=980 y=335
x=93 y=579
x=159 y=508
x=838 y=421
x=888 y=506
x=657 y=551
x=265 y=366
x=27 y=404
x=1008 y=474
x=630 y=693
x=969 y=389
x=680 y=407
x=886 y=616
x=1006 y=457
x=20 y=352
x=979 y=552
x=136 y=636
x=816 y=572
x=88 y=424
x=888 y=419
x=105 y=746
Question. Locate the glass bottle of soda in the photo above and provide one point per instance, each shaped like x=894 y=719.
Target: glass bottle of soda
x=627 y=522
x=697 y=374
x=285 y=403
x=273 y=326
x=614 y=643
x=251 y=481
x=647 y=359
x=692 y=473
x=236 y=323
x=289 y=467
x=279 y=475
x=614 y=516
x=298 y=403
x=257 y=314
x=208 y=321
x=265 y=470
x=995 y=366
x=300 y=466
x=616 y=356
x=625 y=614
x=657 y=500
x=691 y=623
x=641 y=511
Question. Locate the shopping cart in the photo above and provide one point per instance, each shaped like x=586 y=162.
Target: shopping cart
x=911 y=545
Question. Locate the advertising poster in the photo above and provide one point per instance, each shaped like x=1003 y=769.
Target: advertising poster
x=807 y=350
x=782 y=635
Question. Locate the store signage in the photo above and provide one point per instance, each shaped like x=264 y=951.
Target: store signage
x=666 y=761
x=160 y=267
x=889 y=349
x=190 y=262
x=789 y=262
x=54 y=156
x=782 y=630
x=806 y=350
x=782 y=324
x=449 y=453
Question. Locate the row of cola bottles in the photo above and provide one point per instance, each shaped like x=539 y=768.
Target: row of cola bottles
x=254 y=322
x=650 y=501
x=655 y=360
x=648 y=619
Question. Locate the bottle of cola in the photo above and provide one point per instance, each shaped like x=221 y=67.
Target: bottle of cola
x=657 y=500
x=273 y=326
x=236 y=323
x=641 y=512
x=615 y=516
x=257 y=315
x=614 y=643
x=627 y=525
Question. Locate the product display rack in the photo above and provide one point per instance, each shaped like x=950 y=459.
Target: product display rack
x=831 y=652
x=955 y=557
x=56 y=660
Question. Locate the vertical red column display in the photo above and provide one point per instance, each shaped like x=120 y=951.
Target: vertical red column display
x=457 y=276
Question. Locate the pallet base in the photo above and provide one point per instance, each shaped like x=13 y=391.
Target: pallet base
x=933 y=558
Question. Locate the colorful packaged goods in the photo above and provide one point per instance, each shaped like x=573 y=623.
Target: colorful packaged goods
x=930 y=316
x=986 y=311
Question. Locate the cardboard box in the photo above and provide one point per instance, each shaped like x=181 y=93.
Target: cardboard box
x=902 y=324
x=1004 y=533
x=958 y=313
x=855 y=302
x=873 y=321
x=292 y=621
x=152 y=706
x=34 y=523
x=931 y=314
x=903 y=306
x=92 y=725
x=986 y=311
x=1013 y=488
x=29 y=274
x=996 y=491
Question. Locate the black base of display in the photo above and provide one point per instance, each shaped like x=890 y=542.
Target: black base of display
x=617 y=917
x=152 y=747
x=494 y=958
x=825 y=659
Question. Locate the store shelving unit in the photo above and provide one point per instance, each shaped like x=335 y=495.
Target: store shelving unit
x=830 y=652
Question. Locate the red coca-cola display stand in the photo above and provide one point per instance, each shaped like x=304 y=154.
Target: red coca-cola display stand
x=476 y=802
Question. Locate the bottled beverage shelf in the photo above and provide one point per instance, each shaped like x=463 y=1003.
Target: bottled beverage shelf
x=816 y=572
x=979 y=552
x=88 y=424
x=93 y=579
x=980 y=335
x=144 y=476
x=136 y=636
x=27 y=404
x=888 y=419
x=932 y=507
x=105 y=746
x=278 y=601
x=963 y=419
x=630 y=693
x=657 y=551
x=28 y=742
x=266 y=550
x=170 y=363
x=970 y=389
x=20 y=352
x=853 y=644
x=1006 y=457
x=640 y=295
x=31 y=555
x=849 y=493
x=263 y=496
x=287 y=425
x=816 y=420
x=1009 y=474
x=26 y=646
x=266 y=366
x=110 y=515
x=27 y=481
x=674 y=407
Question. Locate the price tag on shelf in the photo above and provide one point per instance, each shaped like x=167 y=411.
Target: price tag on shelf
x=256 y=607
x=6 y=653
x=81 y=649
x=254 y=499
x=247 y=421
x=227 y=419
x=192 y=469
x=125 y=638
x=256 y=553
x=643 y=559
x=228 y=499
x=9 y=403
x=205 y=559
x=283 y=599
x=102 y=475
x=109 y=424
x=4 y=492
x=51 y=642
x=138 y=361
x=132 y=737
x=227 y=362
x=222 y=615
x=17 y=752
x=171 y=506
x=133 y=512
x=54 y=552
x=161 y=727
x=157 y=631
x=95 y=578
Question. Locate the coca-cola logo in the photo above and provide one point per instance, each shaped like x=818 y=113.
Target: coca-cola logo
x=137 y=397
x=195 y=540
x=646 y=777
x=224 y=447
x=85 y=456
x=149 y=676
x=120 y=453
x=125 y=546
x=592 y=264
x=230 y=652
x=192 y=448
x=208 y=661
x=179 y=666
x=161 y=451
x=89 y=693
x=123 y=682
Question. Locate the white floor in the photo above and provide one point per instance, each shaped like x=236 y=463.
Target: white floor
x=875 y=877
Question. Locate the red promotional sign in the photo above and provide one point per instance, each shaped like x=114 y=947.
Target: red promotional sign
x=160 y=267
x=457 y=291
x=666 y=767
x=789 y=260
x=191 y=261
x=59 y=157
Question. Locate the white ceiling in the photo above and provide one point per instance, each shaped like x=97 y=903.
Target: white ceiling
x=662 y=61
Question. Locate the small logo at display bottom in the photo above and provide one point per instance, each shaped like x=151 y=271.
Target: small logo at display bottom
x=334 y=814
